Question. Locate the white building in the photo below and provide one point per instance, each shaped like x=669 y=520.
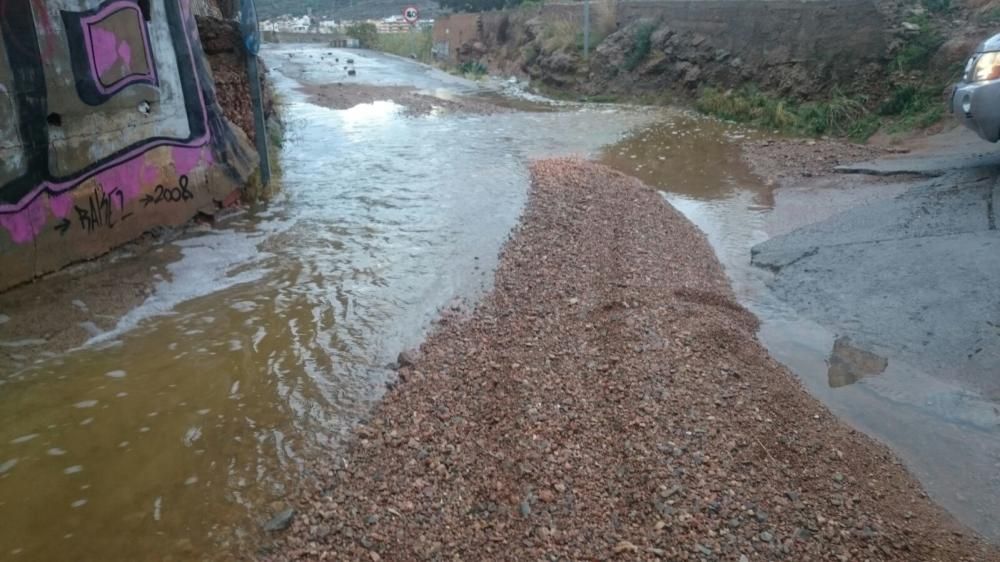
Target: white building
x=392 y=24
x=286 y=24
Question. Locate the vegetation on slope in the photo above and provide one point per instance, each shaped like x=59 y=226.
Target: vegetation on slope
x=415 y=45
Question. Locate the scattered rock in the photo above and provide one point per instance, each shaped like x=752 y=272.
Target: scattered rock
x=281 y=521
x=407 y=358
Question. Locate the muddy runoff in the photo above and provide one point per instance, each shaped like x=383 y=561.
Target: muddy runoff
x=179 y=429
x=946 y=430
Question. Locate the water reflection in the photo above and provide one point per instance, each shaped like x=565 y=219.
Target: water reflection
x=689 y=156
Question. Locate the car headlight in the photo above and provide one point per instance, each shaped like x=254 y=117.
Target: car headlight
x=987 y=67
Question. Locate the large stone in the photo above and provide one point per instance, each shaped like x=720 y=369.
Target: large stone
x=281 y=521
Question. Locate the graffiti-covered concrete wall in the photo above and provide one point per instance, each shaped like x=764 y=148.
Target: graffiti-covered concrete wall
x=109 y=126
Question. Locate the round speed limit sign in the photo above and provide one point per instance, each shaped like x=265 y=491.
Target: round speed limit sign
x=411 y=14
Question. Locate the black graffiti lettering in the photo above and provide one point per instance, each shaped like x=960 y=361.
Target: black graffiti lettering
x=100 y=210
x=163 y=194
x=185 y=192
x=86 y=222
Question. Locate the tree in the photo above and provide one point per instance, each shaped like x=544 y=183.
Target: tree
x=477 y=5
x=364 y=32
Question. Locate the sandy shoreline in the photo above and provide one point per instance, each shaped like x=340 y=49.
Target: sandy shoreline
x=609 y=398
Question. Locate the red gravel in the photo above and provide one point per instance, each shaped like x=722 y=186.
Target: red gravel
x=609 y=399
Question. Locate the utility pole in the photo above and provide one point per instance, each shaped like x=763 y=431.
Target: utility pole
x=586 y=29
x=251 y=39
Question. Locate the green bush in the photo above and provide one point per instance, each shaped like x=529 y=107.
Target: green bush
x=474 y=69
x=841 y=115
x=912 y=107
x=640 y=47
x=748 y=106
x=365 y=33
x=835 y=116
x=916 y=53
x=906 y=108
x=905 y=99
x=864 y=128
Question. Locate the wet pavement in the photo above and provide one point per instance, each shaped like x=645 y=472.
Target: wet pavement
x=181 y=430
x=881 y=297
x=908 y=285
x=176 y=434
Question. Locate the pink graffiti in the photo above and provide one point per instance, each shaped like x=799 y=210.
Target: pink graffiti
x=107 y=50
x=127 y=173
x=187 y=158
x=125 y=54
x=127 y=177
x=25 y=226
x=61 y=204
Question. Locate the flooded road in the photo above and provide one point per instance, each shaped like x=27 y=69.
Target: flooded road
x=174 y=436
x=948 y=434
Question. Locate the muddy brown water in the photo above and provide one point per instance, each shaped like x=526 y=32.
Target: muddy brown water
x=175 y=435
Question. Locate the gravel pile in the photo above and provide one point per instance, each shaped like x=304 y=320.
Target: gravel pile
x=609 y=400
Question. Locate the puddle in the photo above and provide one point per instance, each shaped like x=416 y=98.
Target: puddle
x=177 y=433
x=948 y=435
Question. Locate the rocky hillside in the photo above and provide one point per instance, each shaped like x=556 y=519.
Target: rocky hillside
x=876 y=61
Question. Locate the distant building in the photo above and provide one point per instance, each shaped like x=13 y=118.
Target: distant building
x=286 y=24
x=303 y=24
x=392 y=24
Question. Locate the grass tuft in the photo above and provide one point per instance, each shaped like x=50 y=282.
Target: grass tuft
x=473 y=69
x=841 y=115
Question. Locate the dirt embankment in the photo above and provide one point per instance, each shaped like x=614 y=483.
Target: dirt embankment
x=679 y=47
x=882 y=53
x=346 y=96
x=609 y=399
